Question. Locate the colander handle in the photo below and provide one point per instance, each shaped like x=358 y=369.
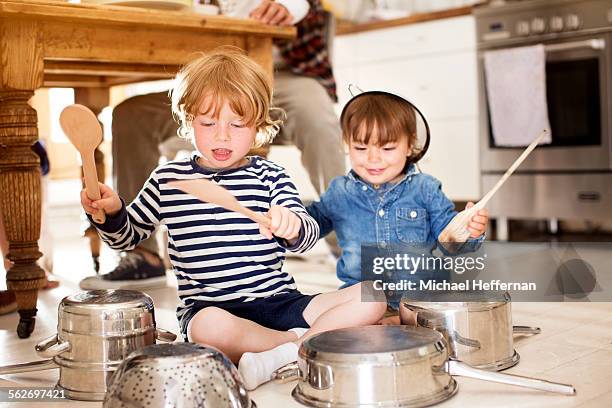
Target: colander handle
x=164 y=335
x=525 y=330
x=286 y=373
x=50 y=347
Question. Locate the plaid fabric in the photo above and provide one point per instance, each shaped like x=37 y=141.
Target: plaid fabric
x=307 y=55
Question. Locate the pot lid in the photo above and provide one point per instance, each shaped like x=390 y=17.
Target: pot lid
x=379 y=342
x=455 y=300
x=108 y=299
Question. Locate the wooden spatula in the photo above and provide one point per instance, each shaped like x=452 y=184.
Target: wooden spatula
x=212 y=193
x=84 y=132
x=456 y=230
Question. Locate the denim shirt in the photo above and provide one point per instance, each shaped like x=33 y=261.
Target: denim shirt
x=412 y=211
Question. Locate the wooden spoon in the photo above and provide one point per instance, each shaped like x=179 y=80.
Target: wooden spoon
x=456 y=230
x=84 y=132
x=210 y=192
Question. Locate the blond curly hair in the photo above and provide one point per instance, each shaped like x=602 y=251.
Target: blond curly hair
x=225 y=74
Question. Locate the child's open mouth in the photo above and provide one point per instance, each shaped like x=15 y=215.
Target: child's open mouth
x=221 y=154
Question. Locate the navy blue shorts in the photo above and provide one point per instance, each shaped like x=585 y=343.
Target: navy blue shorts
x=282 y=311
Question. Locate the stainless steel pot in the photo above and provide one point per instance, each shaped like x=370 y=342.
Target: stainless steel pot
x=477 y=326
x=386 y=366
x=96 y=330
x=177 y=375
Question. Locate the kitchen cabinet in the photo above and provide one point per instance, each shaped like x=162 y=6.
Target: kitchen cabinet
x=432 y=64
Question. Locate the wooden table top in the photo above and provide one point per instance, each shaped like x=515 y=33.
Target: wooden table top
x=91 y=45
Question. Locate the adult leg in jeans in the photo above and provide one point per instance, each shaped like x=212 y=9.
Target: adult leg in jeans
x=140 y=125
x=313 y=126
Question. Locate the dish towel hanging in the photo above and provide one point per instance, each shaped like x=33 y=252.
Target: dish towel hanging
x=516 y=93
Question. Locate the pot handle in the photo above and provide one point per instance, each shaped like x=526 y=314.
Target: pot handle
x=525 y=330
x=164 y=335
x=50 y=347
x=454 y=367
x=287 y=373
x=456 y=337
x=27 y=367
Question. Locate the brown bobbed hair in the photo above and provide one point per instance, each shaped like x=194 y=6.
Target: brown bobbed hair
x=391 y=117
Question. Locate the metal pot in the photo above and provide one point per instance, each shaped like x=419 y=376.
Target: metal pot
x=178 y=375
x=477 y=326
x=96 y=330
x=386 y=366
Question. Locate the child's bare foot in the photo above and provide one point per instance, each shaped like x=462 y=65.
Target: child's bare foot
x=51 y=283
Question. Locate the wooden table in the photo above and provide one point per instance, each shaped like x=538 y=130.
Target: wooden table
x=88 y=47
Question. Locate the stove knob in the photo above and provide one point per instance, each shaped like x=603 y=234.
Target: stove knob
x=556 y=23
x=522 y=28
x=538 y=25
x=572 y=22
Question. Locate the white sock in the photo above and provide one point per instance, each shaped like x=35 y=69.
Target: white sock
x=299 y=331
x=257 y=368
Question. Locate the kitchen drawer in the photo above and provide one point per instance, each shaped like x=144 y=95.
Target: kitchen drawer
x=450 y=34
x=568 y=196
x=452 y=158
x=442 y=86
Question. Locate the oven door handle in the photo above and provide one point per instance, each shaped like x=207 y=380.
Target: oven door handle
x=594 y=43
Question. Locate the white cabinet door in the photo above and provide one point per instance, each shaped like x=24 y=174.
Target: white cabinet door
x=452 y=158
x=434 y=37
x=442 y=86
x=346 y=50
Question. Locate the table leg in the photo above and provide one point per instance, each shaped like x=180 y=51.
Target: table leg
x=21 y=72
x=20 y=184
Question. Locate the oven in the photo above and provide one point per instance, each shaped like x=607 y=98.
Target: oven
x=570 y=178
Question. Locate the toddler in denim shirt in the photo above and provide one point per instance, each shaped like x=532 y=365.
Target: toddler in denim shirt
x=384 y=199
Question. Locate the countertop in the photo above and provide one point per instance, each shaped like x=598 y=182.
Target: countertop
x=346 y=27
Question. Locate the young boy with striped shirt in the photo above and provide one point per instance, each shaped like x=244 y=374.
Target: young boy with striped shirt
x=233 y=292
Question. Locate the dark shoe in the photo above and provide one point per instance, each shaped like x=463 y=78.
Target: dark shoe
x=8 y=304
x=132 y=272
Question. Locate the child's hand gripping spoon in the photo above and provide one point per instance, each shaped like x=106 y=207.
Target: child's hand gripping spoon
x=210 y=192
x=84 y=132
x=456 y=230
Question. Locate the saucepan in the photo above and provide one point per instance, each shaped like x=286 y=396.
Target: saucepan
x=96 y=330
x=477 y=326
x=386 y=366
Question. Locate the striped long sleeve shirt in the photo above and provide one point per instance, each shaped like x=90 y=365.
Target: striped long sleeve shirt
x=217 y=254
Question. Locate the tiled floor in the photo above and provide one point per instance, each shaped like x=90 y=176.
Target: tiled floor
x=575 y=345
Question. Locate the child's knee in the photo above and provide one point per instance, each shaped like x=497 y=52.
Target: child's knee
x=212 y=326
x=377 y=310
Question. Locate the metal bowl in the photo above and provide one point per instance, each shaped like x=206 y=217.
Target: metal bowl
x=178 y=375
x=477 y=326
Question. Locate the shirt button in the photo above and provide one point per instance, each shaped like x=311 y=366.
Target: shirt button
x=364 y=188
x=381 y=213
x=413 y=214
x=383 y=244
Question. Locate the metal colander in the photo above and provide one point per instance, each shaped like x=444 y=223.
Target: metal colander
x=177 y=375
